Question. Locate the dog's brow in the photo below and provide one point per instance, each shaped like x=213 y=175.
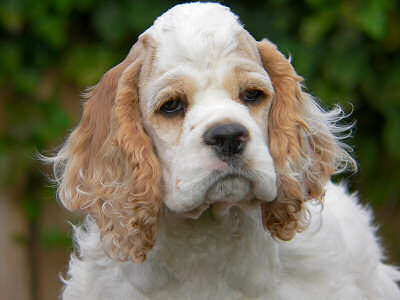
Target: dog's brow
x=170 y=82
x=256 y=78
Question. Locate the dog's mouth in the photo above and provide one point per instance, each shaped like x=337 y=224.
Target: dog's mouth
x=242 y=186
x=227 y=192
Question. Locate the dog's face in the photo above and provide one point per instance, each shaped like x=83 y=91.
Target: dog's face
x=204 y=99
x=198 y=114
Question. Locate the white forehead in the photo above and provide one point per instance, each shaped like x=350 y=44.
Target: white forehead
x=196 y=33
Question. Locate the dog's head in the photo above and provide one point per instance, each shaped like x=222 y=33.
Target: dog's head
x=198 y=114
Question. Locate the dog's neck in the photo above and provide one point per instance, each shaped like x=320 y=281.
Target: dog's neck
x=225 y=249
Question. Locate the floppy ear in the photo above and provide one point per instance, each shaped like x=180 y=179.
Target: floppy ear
x=305 y=145
x=108 y=167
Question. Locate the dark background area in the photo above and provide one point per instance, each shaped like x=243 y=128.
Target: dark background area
x=348 y=52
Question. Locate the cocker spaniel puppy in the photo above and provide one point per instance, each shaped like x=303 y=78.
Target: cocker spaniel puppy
x=204 y=169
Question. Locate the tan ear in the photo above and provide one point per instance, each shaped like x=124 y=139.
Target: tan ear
x=304 y=144
x=108 y=166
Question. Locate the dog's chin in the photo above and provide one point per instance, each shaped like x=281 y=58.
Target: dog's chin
x=225 y=193
x=229 y=189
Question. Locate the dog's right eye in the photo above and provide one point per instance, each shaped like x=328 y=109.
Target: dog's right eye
x=174 y=106
x=252 y=96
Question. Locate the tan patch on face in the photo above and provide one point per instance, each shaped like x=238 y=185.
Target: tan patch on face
x=248 y=74
x=247 y=47
x=169 y=127
x=148 y=64
x=249 y=77
x=166 y=127
x=231 y=85
x=169 y=130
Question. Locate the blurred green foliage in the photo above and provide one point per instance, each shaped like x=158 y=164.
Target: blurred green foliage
x=348 y=51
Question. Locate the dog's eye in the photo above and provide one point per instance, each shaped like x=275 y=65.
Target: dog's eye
x=174 y=106
x=252 y=95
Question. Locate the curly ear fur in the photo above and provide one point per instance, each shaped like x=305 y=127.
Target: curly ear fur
x=304 y=143
x=108 y=166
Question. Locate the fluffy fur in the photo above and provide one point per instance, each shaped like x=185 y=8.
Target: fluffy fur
x=168 y=218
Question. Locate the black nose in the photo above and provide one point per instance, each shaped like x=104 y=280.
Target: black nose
x=227 y=139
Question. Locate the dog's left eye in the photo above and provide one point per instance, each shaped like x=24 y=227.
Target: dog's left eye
x=173 y=107
x=252 y=95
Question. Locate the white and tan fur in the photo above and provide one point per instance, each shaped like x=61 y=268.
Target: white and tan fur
x=169 y=219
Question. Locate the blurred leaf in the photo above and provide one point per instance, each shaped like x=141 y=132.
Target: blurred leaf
x=26 y=81
x=108 y=22
x=32 y=207
x=86 y=64
x=392 y=132
x=11 y=51
x=319 y=4
x=54 y=237
x=372 y=18
x=141 y=14
x=11 y=16
x=315 y=27
x=346 y=69
x=56 y=123
x=52 y=29
x=392 y=42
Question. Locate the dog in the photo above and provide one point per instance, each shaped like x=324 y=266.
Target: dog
x=204 y=170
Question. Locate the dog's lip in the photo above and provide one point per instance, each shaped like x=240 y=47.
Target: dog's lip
x=232 y=173
x=221 y=207
x=249 y=201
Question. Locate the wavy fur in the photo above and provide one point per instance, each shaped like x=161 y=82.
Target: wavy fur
x=305 y=143
x=108 y=168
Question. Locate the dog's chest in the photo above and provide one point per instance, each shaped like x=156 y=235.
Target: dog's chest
x=210 y=259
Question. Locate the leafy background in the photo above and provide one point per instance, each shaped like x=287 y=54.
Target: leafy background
x=50 y=50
